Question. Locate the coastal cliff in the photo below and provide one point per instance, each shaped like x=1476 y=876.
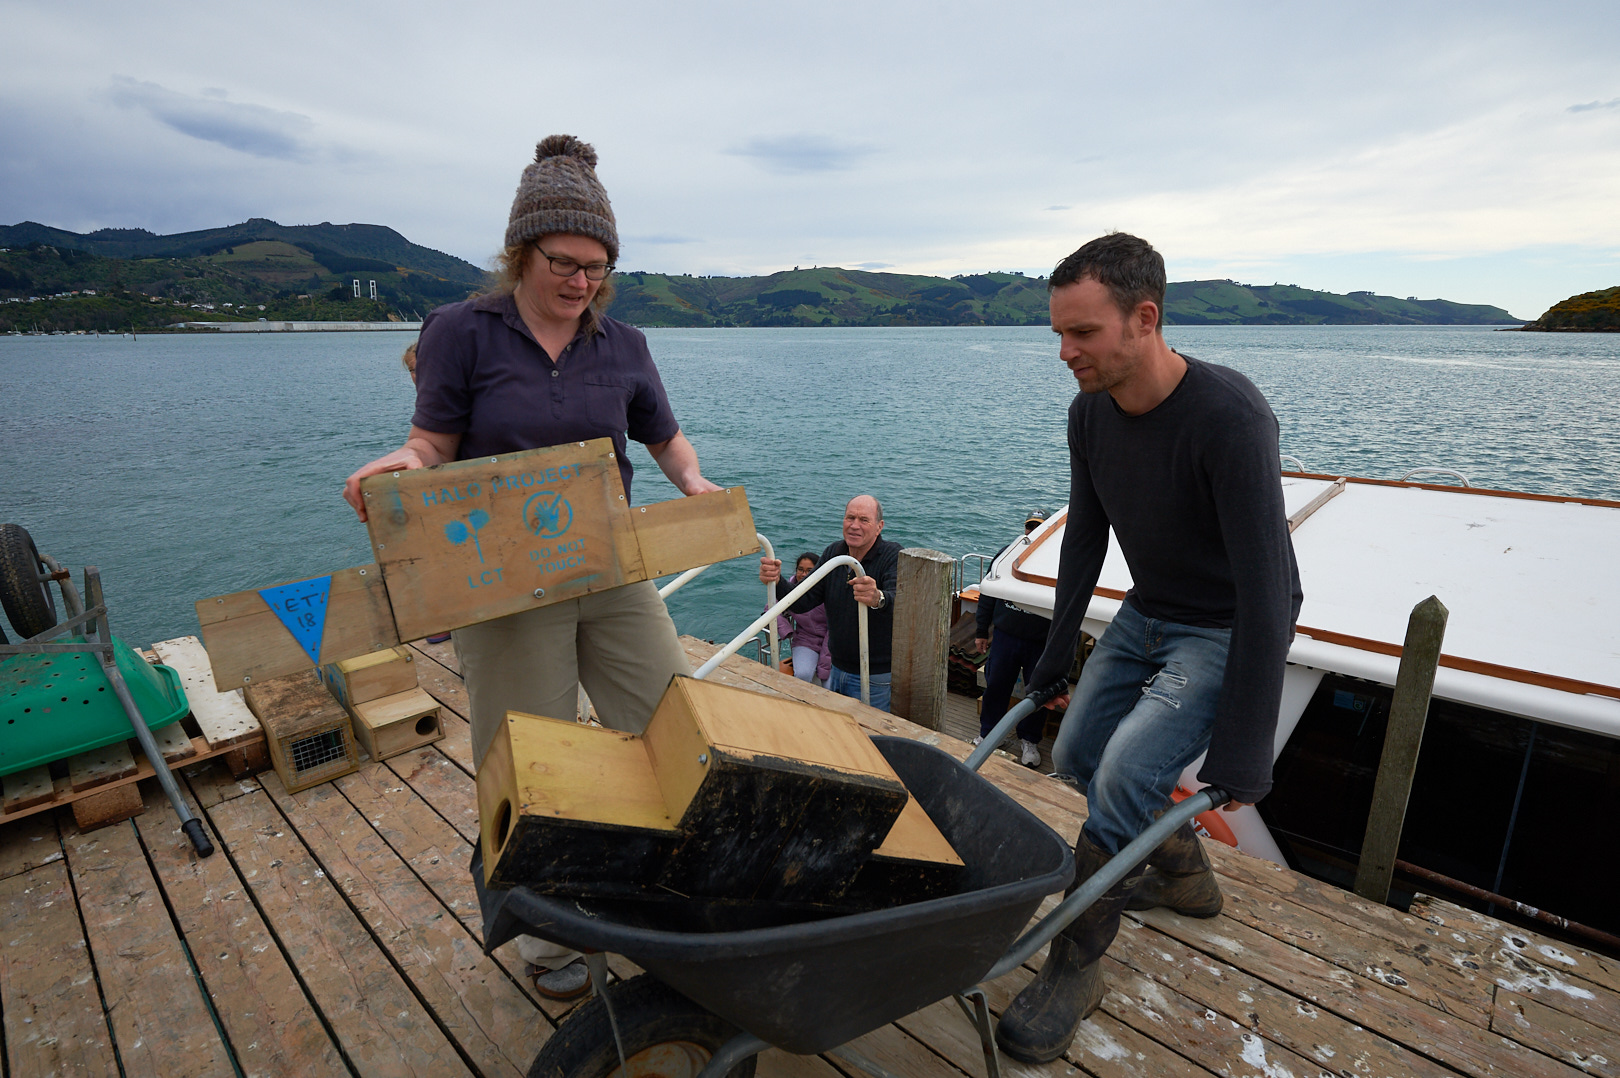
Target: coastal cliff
x=1589 y=312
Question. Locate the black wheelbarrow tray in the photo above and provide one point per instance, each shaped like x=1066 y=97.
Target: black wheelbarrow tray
x=810 y=986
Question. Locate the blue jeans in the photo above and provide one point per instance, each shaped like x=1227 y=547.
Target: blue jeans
x=1142 y=713
x=1009 y=656
x=845 y=683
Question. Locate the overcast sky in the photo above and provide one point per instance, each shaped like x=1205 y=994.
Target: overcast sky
x=1470 y=152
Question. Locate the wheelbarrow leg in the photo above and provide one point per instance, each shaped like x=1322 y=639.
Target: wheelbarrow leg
x=596 y=962
x=979 y=1015
x=732 y=1053
x=109 y=664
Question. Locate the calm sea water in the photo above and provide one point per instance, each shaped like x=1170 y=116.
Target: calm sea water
x=187 y=467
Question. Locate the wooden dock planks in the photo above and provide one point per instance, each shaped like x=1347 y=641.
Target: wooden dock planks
x=273 y=1028
x=160 y=1020
x=379 y=1022
x=336 y=932
x=471 y=998
x=54 y=1019
x=1313 y=1033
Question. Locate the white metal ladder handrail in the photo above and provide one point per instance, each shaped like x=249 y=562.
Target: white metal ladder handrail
x=770 y=590
x=778 y=607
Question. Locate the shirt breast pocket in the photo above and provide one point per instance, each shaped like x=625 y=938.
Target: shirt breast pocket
x=607 y=404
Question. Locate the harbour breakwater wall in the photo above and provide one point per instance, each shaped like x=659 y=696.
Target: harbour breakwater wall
x=264 y=326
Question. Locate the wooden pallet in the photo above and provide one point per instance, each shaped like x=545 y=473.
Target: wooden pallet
x=101 y=784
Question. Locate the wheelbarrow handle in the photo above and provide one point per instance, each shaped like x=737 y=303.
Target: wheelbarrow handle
x=1111 y=873
x=1025 y=708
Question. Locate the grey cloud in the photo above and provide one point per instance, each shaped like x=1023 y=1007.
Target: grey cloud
x=252 y=129
x=1593 y=106
x=802 y=153
x=871 y=266
x=1054 y=208
x=662 y=238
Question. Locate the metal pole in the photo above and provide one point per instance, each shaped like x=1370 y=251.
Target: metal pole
x=770 y=601
x=732 y=1053
x=1429 y=875
x=1111 y=873
x=680 y=582
x=1403 y=737
x=1513 y=817
x=866 y=660
x=782 y=604
x=109 y=663
x=1012 y=718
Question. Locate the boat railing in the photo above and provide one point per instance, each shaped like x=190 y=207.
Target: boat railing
x=983 y=561
x=779 y=607
x=1426 y=470
x=1299 y=465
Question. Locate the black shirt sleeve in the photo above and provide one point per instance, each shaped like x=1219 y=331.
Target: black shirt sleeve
x=1254 y=527
x=1085 y=545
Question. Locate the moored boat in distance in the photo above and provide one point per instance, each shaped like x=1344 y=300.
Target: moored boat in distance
x=1519 y=773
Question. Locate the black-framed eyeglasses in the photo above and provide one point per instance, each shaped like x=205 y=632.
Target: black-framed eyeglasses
x=567 y=267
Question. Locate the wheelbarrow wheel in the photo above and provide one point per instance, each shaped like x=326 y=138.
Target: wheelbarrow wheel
x=26 y=598
x=665 y=1035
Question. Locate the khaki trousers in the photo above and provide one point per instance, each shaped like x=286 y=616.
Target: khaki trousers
x=620 y=644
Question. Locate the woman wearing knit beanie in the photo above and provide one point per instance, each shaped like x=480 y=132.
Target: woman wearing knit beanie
x=536 y=363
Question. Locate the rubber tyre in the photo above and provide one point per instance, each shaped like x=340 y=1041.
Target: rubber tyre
x=665 y=1035
x=27 y=602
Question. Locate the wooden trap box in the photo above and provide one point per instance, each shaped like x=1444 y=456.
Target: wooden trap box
x=728 y=795
x=310 y=737
x=390 y=725
x=371 y=676
x=479 y=539
x=914 y=863
x=569 y=808
x=775 y=799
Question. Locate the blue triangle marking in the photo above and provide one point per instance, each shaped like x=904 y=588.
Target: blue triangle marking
x=301 y=606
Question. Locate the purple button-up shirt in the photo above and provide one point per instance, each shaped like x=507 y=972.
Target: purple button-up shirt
x=481 y=374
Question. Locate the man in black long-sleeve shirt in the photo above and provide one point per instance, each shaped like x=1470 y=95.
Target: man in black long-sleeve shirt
x=841 y=590
x=1181 y=459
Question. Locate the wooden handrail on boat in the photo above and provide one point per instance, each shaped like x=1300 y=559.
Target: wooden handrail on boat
x=1316 y=503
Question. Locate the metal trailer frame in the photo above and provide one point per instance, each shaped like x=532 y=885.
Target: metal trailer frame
x=92 y=622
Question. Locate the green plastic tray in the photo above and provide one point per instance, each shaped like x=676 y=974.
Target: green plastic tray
x=57 y=705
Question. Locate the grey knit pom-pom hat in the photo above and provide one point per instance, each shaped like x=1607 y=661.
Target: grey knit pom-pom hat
x=560 y=193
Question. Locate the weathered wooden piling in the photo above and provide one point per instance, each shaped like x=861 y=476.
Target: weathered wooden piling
x=1403 y=736
x=922 y=636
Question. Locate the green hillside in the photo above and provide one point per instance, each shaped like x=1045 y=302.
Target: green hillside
x=829 y=296
x=114 y=279
x=1214 y=303
x=1589 y=312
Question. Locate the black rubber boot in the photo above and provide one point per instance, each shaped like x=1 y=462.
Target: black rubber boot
x=1179 y=877
x=1039 y=1025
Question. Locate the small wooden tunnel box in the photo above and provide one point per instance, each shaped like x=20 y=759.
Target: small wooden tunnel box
x=310 y=738
x=391 y=715
x=729 y=794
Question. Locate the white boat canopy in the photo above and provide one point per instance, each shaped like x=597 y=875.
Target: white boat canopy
x=1532 y=583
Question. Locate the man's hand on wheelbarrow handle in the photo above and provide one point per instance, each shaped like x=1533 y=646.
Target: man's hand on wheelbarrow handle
x=1057 y=692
